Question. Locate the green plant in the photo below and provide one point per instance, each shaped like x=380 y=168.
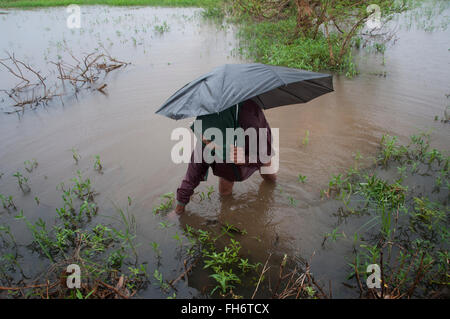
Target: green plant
x=82 y=187
x=292 y=201
x=97 y=164
x=167 y=201
x=76 y=157
x=7 y=201
x=333 y=235
x=162 y=28
x=156 y=250
x=23 y=182
x=30 y=165
x=159 y=277
x=305 y=140
x=302 y=178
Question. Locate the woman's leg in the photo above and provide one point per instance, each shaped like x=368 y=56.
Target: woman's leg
x=268 y=177
x=225 y=186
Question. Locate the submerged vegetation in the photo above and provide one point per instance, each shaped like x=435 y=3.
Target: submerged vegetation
x=314 y=35
x=406 y=228
x=54 y=3
x=32 y=88
x=401 y=201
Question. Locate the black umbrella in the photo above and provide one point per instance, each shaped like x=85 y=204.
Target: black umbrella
x=225 y=86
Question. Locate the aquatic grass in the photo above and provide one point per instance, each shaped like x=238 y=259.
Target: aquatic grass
x=160 y=281
x=97 y=164
x=56 y=3
x=333 y=236
x=40 y=234
x=102 y=251
x=305 y=140
x=292 y=201
x=30 y=165
x=164 y=225
x=301 y=178
x=178 y=239
x=167 y=201
x=162 y=28
x=7 y=201
x=82 y=187
x=406 y=233
x=277 y=43
x=227 y=264
x=156 y=249
x=22 y=181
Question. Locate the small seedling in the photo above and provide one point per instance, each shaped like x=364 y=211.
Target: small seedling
x=159 y=277
x=333 y=236
x=292 y=201
x=178 y=239
x=166 y=203
x=22 y=181
x=155 y=247
x=164 y=27
x=97 y=164
x=76 y=157
x=30 y=165
x=302 y=178
x=7 y=202
x=305 y=140
x=164 y=225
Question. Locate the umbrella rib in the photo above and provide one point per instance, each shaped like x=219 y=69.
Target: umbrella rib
x=279 y=77
x=290 y=93
x=318 y=85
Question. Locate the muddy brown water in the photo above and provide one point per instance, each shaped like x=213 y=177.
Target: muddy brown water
x=134 y=144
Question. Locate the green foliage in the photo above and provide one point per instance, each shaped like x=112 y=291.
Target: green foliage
x=277 y=43
x=166 y=203
x=7 y=202
x=30 y=165
x=76 y=157
x=411 y=231
x=54 y=3
x=97 y=164
x=227 y=264
x=22 y=181
x=305 y=140
x=301 y=178
x=162 y=28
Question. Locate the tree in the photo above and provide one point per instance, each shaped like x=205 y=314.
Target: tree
x=341 y=20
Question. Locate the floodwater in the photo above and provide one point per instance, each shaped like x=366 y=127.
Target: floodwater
x=134 y=144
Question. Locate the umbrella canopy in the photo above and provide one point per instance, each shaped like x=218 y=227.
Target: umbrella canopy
x=269 y=86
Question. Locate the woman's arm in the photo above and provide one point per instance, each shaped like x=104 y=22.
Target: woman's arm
x=195 y=174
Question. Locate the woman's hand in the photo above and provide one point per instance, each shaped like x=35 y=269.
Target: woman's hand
x=175 y=214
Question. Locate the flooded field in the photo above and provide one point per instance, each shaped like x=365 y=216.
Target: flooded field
x=168 y=48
